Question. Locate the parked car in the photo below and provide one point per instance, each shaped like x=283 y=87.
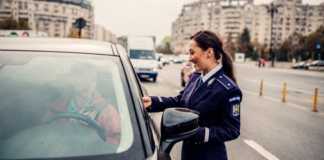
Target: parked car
x=301 y=65
x=159 y=57
x=186 y=71
x=179 y=59
x=317 y=65
x=165 y=61
x=61 y=99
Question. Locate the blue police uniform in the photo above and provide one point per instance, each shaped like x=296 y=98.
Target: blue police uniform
x=218 y=102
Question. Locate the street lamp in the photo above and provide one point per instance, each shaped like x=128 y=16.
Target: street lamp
x=272 y=9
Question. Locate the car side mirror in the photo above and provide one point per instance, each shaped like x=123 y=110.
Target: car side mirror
x=177 y=124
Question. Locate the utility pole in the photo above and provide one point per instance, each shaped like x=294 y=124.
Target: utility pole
x=272 y=9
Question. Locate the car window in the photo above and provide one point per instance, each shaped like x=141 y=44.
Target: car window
x=62 y=105
x=140 y=90
x=141 y=54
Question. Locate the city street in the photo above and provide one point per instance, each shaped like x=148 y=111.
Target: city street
x=270 y=129
x=69 y=74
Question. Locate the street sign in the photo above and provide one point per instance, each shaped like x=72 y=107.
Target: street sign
x=80 y=23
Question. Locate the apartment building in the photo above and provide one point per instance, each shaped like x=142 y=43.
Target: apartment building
x=228 y=18
x=54 y=17
x=103 y=34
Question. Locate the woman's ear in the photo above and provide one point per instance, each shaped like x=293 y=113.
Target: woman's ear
x=210 y=52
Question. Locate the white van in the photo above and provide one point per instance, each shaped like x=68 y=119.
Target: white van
x=141 y=50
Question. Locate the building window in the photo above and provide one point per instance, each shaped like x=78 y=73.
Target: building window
x=74 y=12
x=25 y=5
x=20 y=5
x=46 y=24
x=46 y=8
x=56 y=10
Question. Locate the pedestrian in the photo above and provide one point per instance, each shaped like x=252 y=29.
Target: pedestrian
x=263 y=62
x=213 y=92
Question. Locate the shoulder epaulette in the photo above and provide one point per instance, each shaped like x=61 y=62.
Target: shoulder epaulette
x=225 y=81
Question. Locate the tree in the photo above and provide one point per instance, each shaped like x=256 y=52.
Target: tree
x=165 y=46
x=244 y=43
x=284 y=50
x=312 y=40
x=11 y=24
x=230 y=47
x=292 y=48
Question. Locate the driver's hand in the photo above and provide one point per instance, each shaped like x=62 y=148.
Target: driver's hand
x=147 y=101
x=109 y=119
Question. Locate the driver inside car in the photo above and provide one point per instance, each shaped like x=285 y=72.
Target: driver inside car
x=83 y=98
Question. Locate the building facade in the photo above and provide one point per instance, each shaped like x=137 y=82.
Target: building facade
x=228 y=18
x=294 y=17
x=54 y=17
x=103 y=34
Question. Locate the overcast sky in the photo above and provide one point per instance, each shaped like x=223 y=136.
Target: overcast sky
x=144 y=17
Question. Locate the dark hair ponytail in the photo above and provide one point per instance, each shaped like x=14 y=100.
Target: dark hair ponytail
x=208 y=39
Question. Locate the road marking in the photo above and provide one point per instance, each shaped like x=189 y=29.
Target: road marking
x=251 y=92
x=266 y=154
x=276 y=100
x=279 y=86
x=288 y=104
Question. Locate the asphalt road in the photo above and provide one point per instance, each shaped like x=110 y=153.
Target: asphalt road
x=271 y=130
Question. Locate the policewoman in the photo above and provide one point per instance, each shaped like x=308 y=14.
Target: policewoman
x=213 y=92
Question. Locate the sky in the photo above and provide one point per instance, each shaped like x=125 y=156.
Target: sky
x=144 y=17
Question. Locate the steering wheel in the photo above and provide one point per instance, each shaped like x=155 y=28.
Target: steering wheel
x=75 y=115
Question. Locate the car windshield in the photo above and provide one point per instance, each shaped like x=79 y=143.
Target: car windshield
x=55 y=105
x=142 y=54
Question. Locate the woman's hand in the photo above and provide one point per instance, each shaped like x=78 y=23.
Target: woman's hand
x=147 y=101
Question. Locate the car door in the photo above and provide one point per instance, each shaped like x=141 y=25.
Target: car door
x=148 y=126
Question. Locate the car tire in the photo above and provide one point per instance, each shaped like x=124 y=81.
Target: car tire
x=154 y=79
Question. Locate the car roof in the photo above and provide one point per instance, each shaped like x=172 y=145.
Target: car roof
x=57 y=45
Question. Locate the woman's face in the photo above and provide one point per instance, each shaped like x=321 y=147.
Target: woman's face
x=197 y=56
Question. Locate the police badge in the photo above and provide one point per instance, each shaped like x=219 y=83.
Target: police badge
x=236 y=110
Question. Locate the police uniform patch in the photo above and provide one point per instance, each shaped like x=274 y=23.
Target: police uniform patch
x=236 y=110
